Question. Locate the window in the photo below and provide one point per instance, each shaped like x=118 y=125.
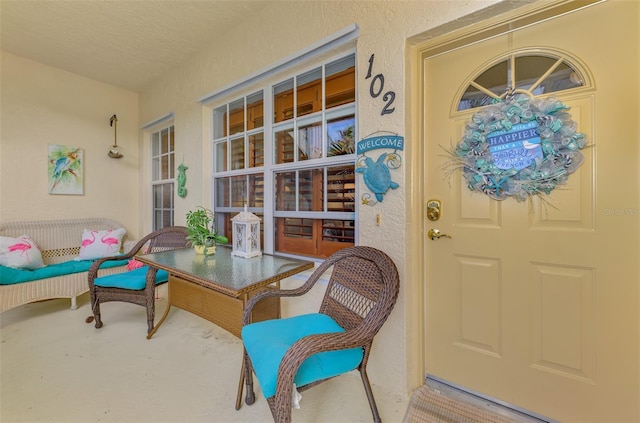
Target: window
x=534 y=74
x=295 y=169
x=163 y=176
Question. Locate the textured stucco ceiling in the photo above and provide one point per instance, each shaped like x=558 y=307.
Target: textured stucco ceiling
x=127 y=43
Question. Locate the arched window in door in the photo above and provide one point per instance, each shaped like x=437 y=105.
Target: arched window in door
x=531 y=72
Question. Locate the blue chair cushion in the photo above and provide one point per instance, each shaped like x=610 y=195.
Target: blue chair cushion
x=9 y=275
x=267 y=342
x=134 y=279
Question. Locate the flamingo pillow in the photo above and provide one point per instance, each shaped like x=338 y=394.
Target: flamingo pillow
x=20 y=253
x=99 y=244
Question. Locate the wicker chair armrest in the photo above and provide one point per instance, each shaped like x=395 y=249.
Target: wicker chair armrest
x=93 y=270
x=303 y=349
x=296 y=292
x=246 y=314
x=150 y=281
x=312 y=344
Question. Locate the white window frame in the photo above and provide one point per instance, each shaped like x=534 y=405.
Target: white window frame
x=270 y=168
x=166 y=183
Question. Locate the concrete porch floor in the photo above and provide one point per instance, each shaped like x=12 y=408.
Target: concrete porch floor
x=54 y=367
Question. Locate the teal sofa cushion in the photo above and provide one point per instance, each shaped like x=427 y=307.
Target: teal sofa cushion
x=135 y=279
x=267 y=342
x=9 y=275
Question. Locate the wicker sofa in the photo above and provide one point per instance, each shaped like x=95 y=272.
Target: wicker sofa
x=59 y=242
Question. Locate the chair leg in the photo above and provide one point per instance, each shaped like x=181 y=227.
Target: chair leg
x=248 y=377
x=281 y=407
x=95 y=307
x=240 y=386
x=372 y=401
x=151 y=312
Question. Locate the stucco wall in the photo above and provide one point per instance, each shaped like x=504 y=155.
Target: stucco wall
x=42 y=105
x=282 y=29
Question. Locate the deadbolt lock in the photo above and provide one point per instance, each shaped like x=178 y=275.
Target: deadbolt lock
x=434 y=210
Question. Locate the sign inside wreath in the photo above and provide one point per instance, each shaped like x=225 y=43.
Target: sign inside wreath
x=516 y=148
x=519 y=147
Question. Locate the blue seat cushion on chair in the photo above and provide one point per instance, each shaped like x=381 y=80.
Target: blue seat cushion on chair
x=267 y=342
x=134 y=279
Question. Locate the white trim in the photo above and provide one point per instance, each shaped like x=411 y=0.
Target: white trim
x=332 y=41
x=158 y=121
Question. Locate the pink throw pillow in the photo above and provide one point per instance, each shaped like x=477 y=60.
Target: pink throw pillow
x=134 y=264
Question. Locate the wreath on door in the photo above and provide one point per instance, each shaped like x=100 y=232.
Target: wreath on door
x=519 y=147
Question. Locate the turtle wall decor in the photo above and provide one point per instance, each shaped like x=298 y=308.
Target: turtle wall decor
x=377 y=176
x=376 y=173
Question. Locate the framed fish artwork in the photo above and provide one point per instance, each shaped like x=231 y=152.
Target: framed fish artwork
x=65 y=170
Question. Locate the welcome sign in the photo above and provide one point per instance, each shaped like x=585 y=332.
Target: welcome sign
x=516 y=148
x=387 y=141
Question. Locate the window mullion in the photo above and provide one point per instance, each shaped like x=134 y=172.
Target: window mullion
x=325 y=193
x=269 y=177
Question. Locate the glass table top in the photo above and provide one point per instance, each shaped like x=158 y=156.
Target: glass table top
x=223 y=271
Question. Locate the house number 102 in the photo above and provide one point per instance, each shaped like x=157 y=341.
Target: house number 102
x=376 y=88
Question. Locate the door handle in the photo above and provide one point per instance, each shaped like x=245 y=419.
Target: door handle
x=434 y=234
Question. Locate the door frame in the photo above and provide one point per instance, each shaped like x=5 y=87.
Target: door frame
x=499 y=19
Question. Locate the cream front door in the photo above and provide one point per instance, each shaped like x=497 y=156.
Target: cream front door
x=536 y=303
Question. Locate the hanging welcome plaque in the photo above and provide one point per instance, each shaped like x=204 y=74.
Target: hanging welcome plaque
x=519 y=147
x=376 y=173
x=386 y=141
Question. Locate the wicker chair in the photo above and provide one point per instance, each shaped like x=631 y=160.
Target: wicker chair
x=360 y=295
x=136 y=286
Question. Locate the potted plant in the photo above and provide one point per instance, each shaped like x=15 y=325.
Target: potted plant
x=201 y=231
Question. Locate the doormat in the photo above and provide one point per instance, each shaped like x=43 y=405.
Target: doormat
x=429 y=406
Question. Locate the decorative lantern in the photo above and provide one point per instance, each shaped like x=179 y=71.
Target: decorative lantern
x=246 y=234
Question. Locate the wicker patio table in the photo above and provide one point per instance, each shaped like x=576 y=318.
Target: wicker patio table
x=217 y=287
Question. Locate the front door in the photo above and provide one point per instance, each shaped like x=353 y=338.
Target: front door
x=536 y=302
